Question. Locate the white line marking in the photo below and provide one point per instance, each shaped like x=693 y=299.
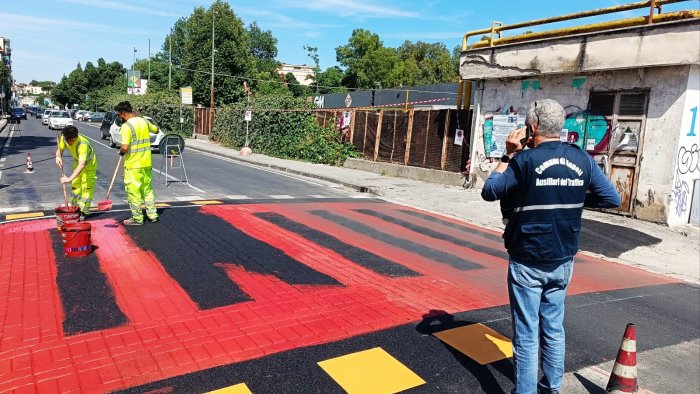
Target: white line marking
x=175 y=179
x=317 y=196
x=16 y=209
x=360 y=196
x=7 y=143
x=188 y=198
x=238 y=197
x=3 y=159
x=281 y=196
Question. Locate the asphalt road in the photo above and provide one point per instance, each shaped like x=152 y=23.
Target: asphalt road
x=270 y=290
x=209 y=176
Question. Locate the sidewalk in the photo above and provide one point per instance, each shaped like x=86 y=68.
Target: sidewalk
x=653 y=247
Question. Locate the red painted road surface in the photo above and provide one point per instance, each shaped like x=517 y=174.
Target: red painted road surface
x=167 y=334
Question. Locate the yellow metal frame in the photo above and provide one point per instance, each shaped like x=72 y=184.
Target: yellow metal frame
x=497 y=27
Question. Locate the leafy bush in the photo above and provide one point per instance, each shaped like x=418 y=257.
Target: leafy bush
x=163 y=107
x=280 y=127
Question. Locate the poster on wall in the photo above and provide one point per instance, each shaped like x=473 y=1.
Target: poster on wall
x=459 y=137
x=498 y=128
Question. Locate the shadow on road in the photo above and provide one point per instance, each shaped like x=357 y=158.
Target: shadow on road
x=612 y=240
x=591 y=388
x=438 y=320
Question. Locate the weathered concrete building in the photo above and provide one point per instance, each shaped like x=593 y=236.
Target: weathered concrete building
x=631 y=92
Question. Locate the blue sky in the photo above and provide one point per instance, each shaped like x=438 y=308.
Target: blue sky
x=49 y=37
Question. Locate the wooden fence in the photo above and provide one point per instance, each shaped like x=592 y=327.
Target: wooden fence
x=419 y=138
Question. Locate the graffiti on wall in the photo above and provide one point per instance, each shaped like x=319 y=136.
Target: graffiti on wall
x=688 y=162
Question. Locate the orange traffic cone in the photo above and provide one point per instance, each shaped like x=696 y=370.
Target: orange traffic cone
x=30 y=166
x=624 y=374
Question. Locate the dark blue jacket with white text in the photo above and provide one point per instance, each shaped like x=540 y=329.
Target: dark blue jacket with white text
x=543 y=192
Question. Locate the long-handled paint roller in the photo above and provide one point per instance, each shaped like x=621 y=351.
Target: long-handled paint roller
x=106 y=204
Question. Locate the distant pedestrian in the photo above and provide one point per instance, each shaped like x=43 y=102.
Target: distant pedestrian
x=84 y=174
x=542 y=192
x=136 y=149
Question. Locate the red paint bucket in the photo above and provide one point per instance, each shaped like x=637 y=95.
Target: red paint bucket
x=66 y=215
x=76 y=239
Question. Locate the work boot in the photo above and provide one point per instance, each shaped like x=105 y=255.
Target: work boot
x=154 y=220
x=131 y=222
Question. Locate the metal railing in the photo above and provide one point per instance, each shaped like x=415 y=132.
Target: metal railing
x=498 y=27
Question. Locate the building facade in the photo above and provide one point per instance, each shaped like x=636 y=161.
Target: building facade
x=303 y=73
x=631 y=95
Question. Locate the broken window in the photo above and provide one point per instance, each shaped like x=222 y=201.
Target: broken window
x=625 y=112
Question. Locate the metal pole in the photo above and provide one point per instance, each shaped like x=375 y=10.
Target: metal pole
x=211 y=91
x=247 y=122
x=133 y=62
x=170 y=59
x=149 y=60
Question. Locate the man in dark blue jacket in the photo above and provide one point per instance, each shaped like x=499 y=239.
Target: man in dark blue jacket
x=542 y=192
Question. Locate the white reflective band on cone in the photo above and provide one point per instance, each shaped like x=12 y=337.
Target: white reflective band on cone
x=628 y=345
x=624 y=371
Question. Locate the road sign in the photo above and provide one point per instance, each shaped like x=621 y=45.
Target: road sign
x=348 y=100
x=248 y=116
x=186 y=95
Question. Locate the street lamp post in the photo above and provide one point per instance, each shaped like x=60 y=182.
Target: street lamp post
x=211 y=91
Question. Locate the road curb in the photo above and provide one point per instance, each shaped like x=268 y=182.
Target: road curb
x=359 y=188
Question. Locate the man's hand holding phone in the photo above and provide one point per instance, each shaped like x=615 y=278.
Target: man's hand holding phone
x=517 y=140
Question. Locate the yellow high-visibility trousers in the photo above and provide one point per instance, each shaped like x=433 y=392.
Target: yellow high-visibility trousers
x=83 y=188
x=137 y=182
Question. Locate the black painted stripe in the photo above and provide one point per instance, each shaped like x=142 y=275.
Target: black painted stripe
x=87 y=298
x=455 y=226
x=190 y=245
x=447 y=370
x=413 y=247
x=359 y=256
x=500 y=253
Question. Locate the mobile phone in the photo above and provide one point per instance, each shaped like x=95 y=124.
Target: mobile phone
x=528 y=134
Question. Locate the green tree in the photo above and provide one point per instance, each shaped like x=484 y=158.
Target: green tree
x=430 y=63
x=312 y=52
x=297 y=89
x=232 y=56
x=368 y=64
x=72 y=89
x=263 y=47
x=331 y=80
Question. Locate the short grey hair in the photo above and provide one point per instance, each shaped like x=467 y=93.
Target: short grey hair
x=548 y=115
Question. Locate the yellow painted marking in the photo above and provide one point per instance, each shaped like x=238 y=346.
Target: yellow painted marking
x=370 y=371
x=162 y=205
x=94 y=209
x=240 y=388
x=207 y=202
x=25 y=215
x=478 y=342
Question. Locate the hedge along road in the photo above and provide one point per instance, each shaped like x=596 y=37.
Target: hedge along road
x=210 y=177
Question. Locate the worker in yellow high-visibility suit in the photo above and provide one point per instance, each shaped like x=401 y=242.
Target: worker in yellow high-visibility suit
x=84 y=168
x=136 y=149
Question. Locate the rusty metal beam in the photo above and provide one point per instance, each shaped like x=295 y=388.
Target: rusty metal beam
x=595 y=27
x=601 y=11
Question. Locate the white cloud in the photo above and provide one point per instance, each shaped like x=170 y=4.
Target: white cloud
x=270 y=19
x=121 y=6
x=53 y=26
x=351 y=8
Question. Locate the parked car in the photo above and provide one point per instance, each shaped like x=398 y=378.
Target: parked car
x=107 y=121
x=115 y=135
x=80 y=114
x=95 y=117
x=38 y=113
x=45 y=116
x=19 y=112
x=59 y=120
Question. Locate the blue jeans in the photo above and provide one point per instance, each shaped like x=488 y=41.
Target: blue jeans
x=537 y=293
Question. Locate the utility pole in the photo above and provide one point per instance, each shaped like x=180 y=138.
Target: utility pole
x=211 y=91
x=133 y=62
x=149 y=60
x=170 y=58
